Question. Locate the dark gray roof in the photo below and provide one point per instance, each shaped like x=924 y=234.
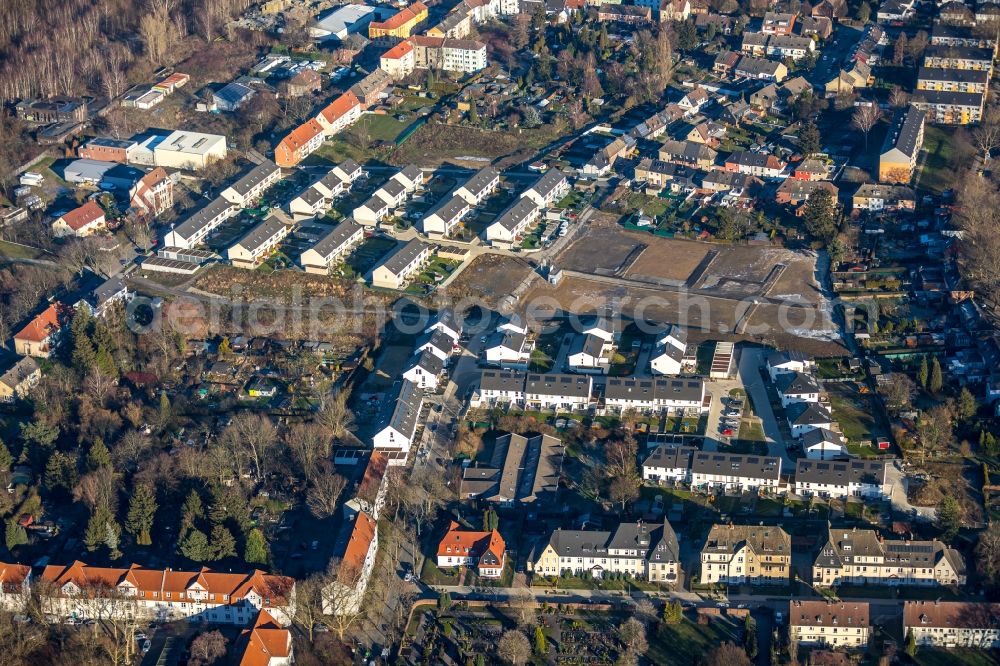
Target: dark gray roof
x=479 y=181
x=591 y=345
x=906 y=129
x=820 y=436
x=330 y=181
x=796 y=383
x=311 y=196
x=516 y=213
x=374 y=203
x=254 y=177
x=573 y=386
x=840 y=473
x=947 y=97
x=108 y=289
x=963 y=52
x=233 y=93
x=341 y=234
x=393 y=188
x=580 y=543
x=521 y=469
x=438 y=340
x=548 y=182
x=632 y=536
x=808 y=413
x=756 y=66
x=670 y=457
x=690 y=151
x=349 y=166
x=13 y=376
x=502 y=380
x=953 y=75
x=261 y=233
x=428 y=361
x=652 y=389
x=737 y=464
x=402 y=409
x=412 y=172
x=403 y=257
x=777 y=358
x=450 y=209
x=201 y=218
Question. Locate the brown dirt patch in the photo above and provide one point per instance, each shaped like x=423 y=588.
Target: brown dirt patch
x=489 y=277
x=669 y=259
x=601 y=250
x=436 y=142
x=284 y=286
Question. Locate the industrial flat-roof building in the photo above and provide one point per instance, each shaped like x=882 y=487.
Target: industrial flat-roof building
x=189 y=150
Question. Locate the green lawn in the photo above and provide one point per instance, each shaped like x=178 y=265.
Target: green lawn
x=685 y=643
x=959 y=657
x=15 y=251
x=939 y=163
x=854 y=414
x=383 y=128
x=431 y=575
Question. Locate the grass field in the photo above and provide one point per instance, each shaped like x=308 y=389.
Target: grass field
x=685 y=643
x=959 y=657
x=853 y=412
x=15 y=251
x=940 y=161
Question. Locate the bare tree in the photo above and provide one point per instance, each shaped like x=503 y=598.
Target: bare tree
x=254 y=436
x=309 y=445
x=898 y=391
x=987 y=135
x=514 y=648
x=898 y=97
x=322 y=497
x=342 y=597
x=309 y=595
x=423 y=497
x=865 y=118
x=522 y=602
x=208 y=648
x=333 y=413
x=632 y=634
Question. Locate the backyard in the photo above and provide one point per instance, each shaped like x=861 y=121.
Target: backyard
x=685 y=643
x=853 y=411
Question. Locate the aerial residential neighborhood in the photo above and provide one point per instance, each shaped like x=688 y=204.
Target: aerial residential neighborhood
x=499 y=332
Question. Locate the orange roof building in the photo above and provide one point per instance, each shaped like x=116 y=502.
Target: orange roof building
x=221 y=598
x=357 y=559
x=83 y=221
x=399 y=61
x=484 y=550
x=14 y=581
x=299 y=144
x=339 y=113
x=41 y=336
x=266 y=643
x=400 y=25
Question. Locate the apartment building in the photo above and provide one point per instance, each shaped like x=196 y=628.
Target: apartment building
x=735 y=472
x=550 y=187
x=822 y=623
x=444 y=218
x=521 y=471
x=485 y=551
x=513 y=222
x=958 y=57
x=298 y=144
x=357 y=561
x=790 y=46
x=340 y=113
x=557 y=391
x=400 y=417
x=762 y=165
x=901 y=146
x=648 y=551
x=463 y=55
x=655 y=393
x=85 y=592
x=18 y=380
x=953 y=80
x=746 y=554
x=804 y=417
x=862 y=557
x=399 y=61
x=256 y=245
x=668 y=463
x=481 y=185
x=41 y=336
x=332 y=248
x=398 y=26
x=197 y=226
x=251 y=187
x=15 y=587
x=953 y=624
x=396 y=271
x=948 y=107
x=876 y=197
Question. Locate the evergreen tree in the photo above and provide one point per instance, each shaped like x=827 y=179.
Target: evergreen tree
x=490 y=520
x=967 y=405
x=911 y=643
x=818 y=216
x=98 y=456
x=225 y=348
x=98 y=528
x=809 y=138
x=923 y=373
x=141 y=513
x=15 y=535
x=936 y=380
x=6 y=459
x=194 y=546
x=191 y=511
x=84 y=352
x=223 y=543
x=673 y=613
x=541 y=648
x=165 y=409
x=750 y=637
x=949 y=518
x=444 y=602
x=256 y=548
x=60 y=471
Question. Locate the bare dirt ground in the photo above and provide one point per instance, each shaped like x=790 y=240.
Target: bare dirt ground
x=601 y=250
x=489 y=277
x=797 y=283
x=668 y=259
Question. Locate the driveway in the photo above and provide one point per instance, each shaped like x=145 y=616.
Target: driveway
x=751 y=359
x=897 y=480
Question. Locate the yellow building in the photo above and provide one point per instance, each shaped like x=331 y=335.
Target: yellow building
x=399 y=26
x=746 y=554
x=950 y=108
x=902 y=144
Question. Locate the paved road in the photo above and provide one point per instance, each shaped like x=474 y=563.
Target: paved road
x=751 y=359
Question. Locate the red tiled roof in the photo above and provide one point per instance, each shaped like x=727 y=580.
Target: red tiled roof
x=398 y=51
x=340 y=106
x=264 y=641
x=471 y=543
x=86 y=214
x=400 y=18
x=361 y=540
x=42 y=326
